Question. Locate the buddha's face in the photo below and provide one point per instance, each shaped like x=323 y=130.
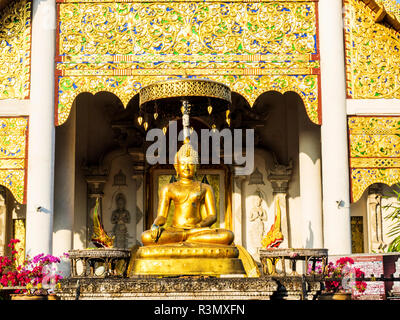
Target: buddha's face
x=185 y=168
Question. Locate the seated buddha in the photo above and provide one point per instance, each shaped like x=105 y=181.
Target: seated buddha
x=189 y=246
x=188 y=195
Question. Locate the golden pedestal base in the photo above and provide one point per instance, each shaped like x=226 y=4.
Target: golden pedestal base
x=186 y=259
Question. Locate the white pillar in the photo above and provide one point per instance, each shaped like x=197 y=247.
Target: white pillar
x=39 y=220
x=64 y=190
x=310 y=182
x=237 y=208
x=335 y=169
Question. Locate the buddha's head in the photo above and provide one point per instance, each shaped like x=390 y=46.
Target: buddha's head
x=186 y=161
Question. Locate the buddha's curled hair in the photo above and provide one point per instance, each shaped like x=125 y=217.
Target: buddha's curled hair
x=187 y=151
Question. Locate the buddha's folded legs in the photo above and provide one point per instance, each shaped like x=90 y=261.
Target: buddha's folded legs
x=212 y=236
x=197 y=235
x=167 y=236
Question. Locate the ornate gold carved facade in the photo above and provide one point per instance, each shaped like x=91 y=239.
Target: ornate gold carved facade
x=15 y=50
x=374 y=152
x=372 y=51
x=14 y=155
x=253 y=47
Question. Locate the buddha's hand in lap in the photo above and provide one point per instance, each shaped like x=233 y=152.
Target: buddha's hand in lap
x=156 y=231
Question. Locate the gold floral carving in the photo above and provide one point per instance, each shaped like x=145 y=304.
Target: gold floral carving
x=252 y=47
x=13 y=155
x=15 y=50
x=374 y=152
x=372 y=52
x=250 y=87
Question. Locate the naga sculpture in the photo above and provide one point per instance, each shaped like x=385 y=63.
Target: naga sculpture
x=274 y=237
x=100 y=238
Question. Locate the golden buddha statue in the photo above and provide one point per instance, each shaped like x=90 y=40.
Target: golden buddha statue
x=190 y=246
x=189 y=196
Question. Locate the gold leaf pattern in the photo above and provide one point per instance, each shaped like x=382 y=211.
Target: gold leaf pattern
x=374 y=152
x=15 y=50
x=253 y=47
x=372 y=53
x=13 y=155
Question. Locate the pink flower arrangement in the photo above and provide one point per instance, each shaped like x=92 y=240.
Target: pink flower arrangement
x=344 y=272
x=31 y=274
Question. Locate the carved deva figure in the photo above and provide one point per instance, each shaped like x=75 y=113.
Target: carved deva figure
x=258 y=215
x=119 y=218
x=191 y=223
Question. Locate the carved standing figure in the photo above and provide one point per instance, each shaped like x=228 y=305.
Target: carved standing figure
x=375 y=220
x=258 y=215
x=120 y=217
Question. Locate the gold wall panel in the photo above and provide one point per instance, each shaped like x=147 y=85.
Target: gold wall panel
x=372 y=52
x=122 y=46
x=13 y=155
x=15 y=50
x=374 y=152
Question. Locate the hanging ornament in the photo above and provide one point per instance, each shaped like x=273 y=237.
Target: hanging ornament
x=209 y=109
x=228 y=119
x=155 y=111
x=214 y=127
x=145 y=125
x=140 y=120
x=164 y=130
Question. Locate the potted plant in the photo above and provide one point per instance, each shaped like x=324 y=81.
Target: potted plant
x=343 y=282
x=34 y=279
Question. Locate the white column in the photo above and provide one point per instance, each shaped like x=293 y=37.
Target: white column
x=64 y=190
x=310 y=182
x=237 y=208
x=39 y=218
x=335 y=169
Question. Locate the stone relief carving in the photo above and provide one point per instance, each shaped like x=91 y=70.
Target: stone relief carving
x=120 y=179
x=258 y=215
x=375 y=226
x=256 y=177
x=279 y=175
x=120 y=218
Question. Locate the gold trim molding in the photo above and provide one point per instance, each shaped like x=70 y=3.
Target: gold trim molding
x=184 y=88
